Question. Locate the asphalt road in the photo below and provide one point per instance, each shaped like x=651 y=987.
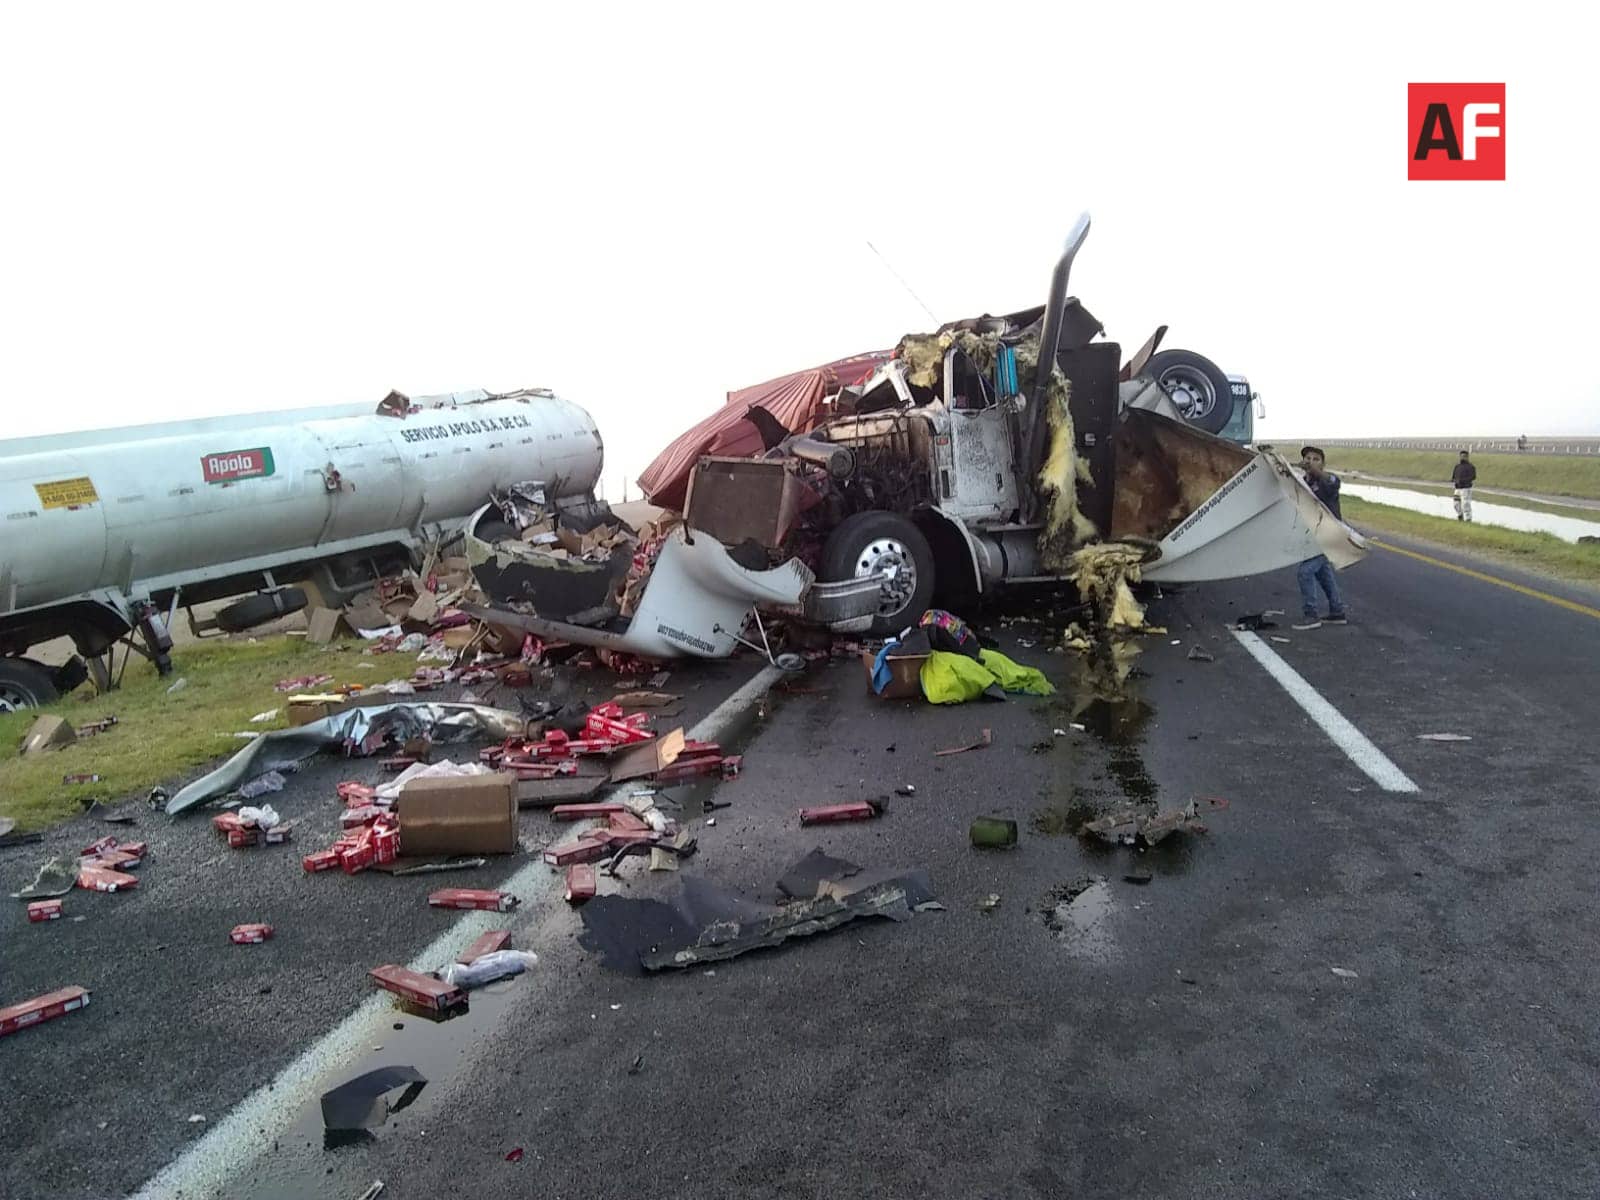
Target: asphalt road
x=1186 y=1037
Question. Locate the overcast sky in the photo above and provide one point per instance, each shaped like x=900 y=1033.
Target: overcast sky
x=219 y=208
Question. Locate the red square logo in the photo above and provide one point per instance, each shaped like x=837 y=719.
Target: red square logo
x=1456 y=131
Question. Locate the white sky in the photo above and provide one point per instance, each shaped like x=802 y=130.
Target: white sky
x=219 y=208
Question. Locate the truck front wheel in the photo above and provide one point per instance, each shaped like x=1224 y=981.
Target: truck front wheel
x=1197 y=386
x=873 y=543
x=24 y=684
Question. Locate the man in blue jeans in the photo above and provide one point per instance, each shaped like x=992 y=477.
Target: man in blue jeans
x=1317 y=571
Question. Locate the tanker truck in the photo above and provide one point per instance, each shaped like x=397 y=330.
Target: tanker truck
x=104 y=534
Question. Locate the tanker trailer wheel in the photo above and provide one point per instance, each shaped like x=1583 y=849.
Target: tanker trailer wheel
x=258 y=610
x=873 y=542
x=1197 y=386
x=24 y=684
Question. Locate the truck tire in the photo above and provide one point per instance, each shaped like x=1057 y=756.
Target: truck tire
x=869 y=541
x=258 y=610
x=1197 y=386
x=24 y=684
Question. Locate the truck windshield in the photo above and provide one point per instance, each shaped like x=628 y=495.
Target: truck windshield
x=1241 y=425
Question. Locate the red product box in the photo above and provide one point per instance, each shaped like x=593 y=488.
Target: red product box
x=588 y=850
x=120 y=859
x=579 y=812
x=44 y=910
x=856 y=810
x=360 y=855
x=356 y=794
x=472 y=898
x=495 y=939
x=278 y=834
x=365 y=814
x=99 y=847
x=242 y=836
x=226 y=822
x=42 y=1008
x=385 y=844
x=322 y=860
x=100 y=879
x=421 y=990
x=249 y=935
x=626 y=822
x=580 y=883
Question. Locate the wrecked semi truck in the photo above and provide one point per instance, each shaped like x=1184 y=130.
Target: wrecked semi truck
x=107 y=533
x=956 y=468
x=857 y=494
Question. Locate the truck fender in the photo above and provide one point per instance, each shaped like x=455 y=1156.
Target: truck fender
x=955 y=555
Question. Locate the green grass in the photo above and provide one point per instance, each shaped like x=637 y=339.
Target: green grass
x=1545 y=474
x=159 y=736
x=1541 y=552
x=1482 y=497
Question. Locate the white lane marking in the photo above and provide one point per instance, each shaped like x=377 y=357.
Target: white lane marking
x=1344 y=735
x=234 y=1142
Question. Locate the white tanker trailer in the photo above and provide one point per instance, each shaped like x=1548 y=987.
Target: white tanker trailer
x=103 y=534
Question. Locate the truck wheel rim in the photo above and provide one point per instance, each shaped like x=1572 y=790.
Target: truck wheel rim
x=1190 y=390
x=886 y=556
x=11 y=700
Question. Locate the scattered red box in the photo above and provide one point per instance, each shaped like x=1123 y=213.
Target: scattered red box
x=580 y=883
x=322 y=860
x=385 y=844
x=472 y=898
x=495 y=939
x=100 y=879
x=249 y=935
x=579 y=812
x=421 y=990
x=240 y=837
x=590 y=849
x=44 y=910
x=856 y=810
x=42 y=1008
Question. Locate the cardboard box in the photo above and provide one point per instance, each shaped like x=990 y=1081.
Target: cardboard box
x=42 y=1008
x=421 y=990
x=46 y=732
x=322 y=626
x=302 y=710
x=466 y=814
x=905 y=675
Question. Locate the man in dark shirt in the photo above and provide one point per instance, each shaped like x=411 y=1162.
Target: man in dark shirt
x=1318 y=571
x=1462 y=479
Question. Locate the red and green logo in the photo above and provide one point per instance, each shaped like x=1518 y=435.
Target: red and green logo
x=237 y=464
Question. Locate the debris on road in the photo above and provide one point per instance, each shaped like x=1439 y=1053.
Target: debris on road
x=993 y=833
x=249 y=935
x=709 y=923
x=855 y=810
x=56 y=877
x=1200 y=654
x=468 y=814
x=363 y=1102
x=1133 y=825
x=488 y=943
x=104 y=879
x=1255 y=622
x=424 y=991
x=515 y=1155
x=44 y=910
x=1344 y=973
x=499 y=964
x=17 y=1017
x=454 y=864
x=1444 y=737
x=480 y=898
x=989 y=903
x=363 y=731
x=984 y=739
x=581 y=883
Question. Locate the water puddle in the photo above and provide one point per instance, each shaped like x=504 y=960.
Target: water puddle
x=297 y=1164
x=1568 y=529
x=1102 y=696
x=1078 y=914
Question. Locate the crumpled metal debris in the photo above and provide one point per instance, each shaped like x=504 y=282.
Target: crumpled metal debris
x=361 y=731
x=56 y=878
x=362 y=1102
x=1143 y=826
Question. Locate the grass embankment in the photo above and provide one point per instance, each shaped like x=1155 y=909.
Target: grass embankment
x=1542 y=552
x=1544 y=474
x=160 y=736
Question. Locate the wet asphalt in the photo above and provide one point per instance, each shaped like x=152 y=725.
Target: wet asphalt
x=1181 y=1037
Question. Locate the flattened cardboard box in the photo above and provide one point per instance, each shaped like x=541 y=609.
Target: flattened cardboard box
x=468 y=814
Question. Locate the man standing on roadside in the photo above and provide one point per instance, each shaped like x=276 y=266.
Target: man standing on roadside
x=1318 y=571
x=1462 y=479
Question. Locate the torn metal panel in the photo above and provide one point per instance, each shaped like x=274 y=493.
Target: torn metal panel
x=695 y=603
x=355 y=728
x=363 y=1102
x=742 y=500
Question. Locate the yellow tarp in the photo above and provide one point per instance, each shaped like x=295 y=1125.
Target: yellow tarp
x=955 y=678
